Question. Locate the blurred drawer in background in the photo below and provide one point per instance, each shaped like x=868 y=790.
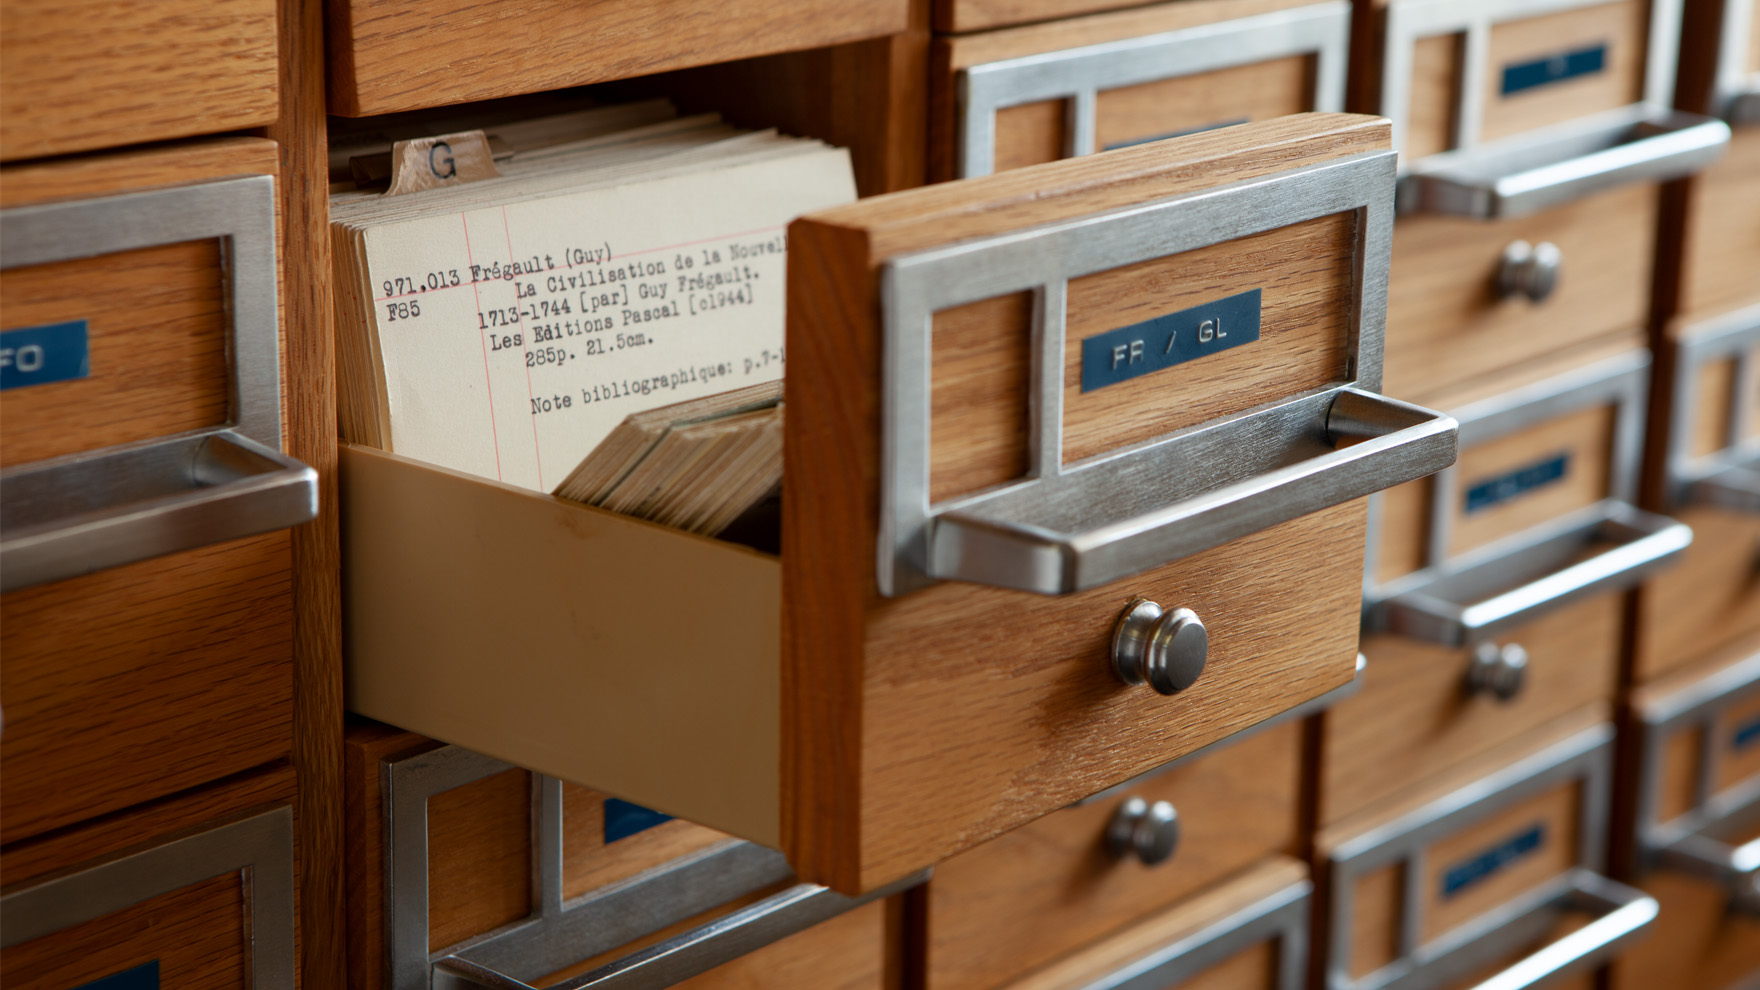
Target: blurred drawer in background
x=1005 y=99
x=1478 y=867
x=1720 y=246
x=87 y=74
x=1048 y=889
x=197 y=891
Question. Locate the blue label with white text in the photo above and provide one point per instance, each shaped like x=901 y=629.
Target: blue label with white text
x=1131 y=352
x=55 y=352
x=623 y=819
x=1502 y=488
x=1521 y=76
x=1747 y=733
x=1471 y=872
x=142 y=977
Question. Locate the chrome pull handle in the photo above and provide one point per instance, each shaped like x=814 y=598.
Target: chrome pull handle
x=1624 y=912
x=1529 y=270
x=1734 y=868
x=1163 y=649
x=1500 y=671
x=1149 y=832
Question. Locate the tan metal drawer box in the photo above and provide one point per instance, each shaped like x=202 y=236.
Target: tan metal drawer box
x=90 y=74
x=195 y=892
x=1045 y=890
x=960 y=635
x=1004 y=99
x=1429 y=891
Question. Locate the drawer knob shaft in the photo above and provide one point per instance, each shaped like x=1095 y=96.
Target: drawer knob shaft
x=1150 y=832
x=1163 y=649
x=1498 y=670
x=1529 y=270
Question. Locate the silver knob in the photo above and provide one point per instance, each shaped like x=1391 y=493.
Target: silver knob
x=1165 y=650
x=1529 y=270
x=1498 y=670
x=1150 y=832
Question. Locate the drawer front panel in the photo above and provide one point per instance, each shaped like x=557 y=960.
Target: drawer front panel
x=404 y=55
x=1046 y=889
x=132 y=683
x=1721 y=250
x=1699 y=941
x=90 y=74
x=1415 y=716
x=1711 y=599
x=1447 y=325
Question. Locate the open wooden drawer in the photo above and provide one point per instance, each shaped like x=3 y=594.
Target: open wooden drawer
x=980 y=514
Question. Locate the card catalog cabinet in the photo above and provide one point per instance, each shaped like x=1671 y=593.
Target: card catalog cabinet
x=961 y=635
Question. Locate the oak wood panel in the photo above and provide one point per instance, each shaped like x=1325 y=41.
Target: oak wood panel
x=1305 y=272
x=1433 y=99
x=1374 y=918
x=1030 y=896
x=1252 y=968
x=1445 y=324
x=1720 y=251
x=1147 y=111
x=1413 y=717
x=979 y=367
x=365 y=745
x=589 y=862
x=1708 y=600
x=1677 y=794
x=1623 y=26
x=127 y=171
x=403 y=55
x=1402 y=529
x=1584 y=437
x=87 y=74
x=867 y=737
x=134 y=682
x=1737 y=763
x=972 y=15
x=479 y=857
x=156 y=339
x=1554 y=812
x=1697 y=940
x=1713 y=395
x=1029 y=134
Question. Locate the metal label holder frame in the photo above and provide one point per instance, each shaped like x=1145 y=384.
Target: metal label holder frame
x=261 y=846
x=1517 y=175
x=1586 y=757
x=1171 y=496
x=83 y=512
x=1282 y=915
x=1730 y=477
x=1736 y=92
x=560 y=932
x=1079 y=75
x=1428 y=603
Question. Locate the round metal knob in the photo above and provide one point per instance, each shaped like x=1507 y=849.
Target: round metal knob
x=1529 y=270
x=1150 y=832
x=1498 y=670
x=1165 y=650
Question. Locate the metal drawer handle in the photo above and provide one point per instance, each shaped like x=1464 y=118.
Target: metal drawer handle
x=1734 y=868
x=1523 y=175
x=1500 y=671
x=1476 y=602
x=1529 y=270
x=79 y=514
x=1163 y=649
x=1623 y=912
x=1150 y=832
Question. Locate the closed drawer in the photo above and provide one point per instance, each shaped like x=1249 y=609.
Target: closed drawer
x=469 y=865
x=1433 y=889
x=1249 y=933
x=86 y=75
x=1047 y=889
x=1720 y=247
x=192 y=892
x=1713 y=484
x=1015 y=541
x=403 y=55
x=1004 y=99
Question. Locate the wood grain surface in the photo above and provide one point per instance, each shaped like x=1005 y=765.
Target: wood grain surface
x=1697 y=940
x=85 y=74
x=141 y=168
x=366 y=745
x=1447 y=327
x=138 y=681
x=403 y=55
x=1047 y=889
x=1708 y=600
x=1721 y=249
x=1623 y=27
x=1249 y=969
x=1375 y=919
x=479 y=857
x=1734 y=762
x=980 y=365
x=1553 y=812
x=973 y=15
x=1413 y=717
x=906 y=704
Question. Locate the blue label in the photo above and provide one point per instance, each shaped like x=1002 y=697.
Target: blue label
x=1522 y=480
x=40 y=355
x=1463 y=875
x=1554 y=68
x=1132 y=143
x=1129 y=352
x=143 y=977
x=623 y=819
x=1748 y=733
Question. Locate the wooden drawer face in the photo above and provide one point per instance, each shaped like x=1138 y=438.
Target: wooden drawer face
x=1709 y=600
x=139 y=681
x=196 y=892
x=1046 y=889
x=1721 y=249
x=1414 y=716
x=1446 y=324
x=404 y=55
x=1699 y=941
x=1137 y=75
x=89 y=74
